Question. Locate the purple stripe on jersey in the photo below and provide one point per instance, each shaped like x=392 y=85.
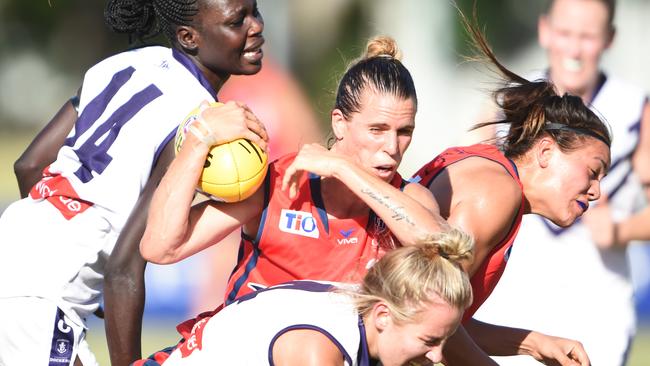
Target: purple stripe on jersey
x=314 y=188
x=255 y=243
x=346 y=356
x=363 y=355
x=602 y=78
x=97 y=106
x=252 y=263
x=95 y=157
x=267 y=199
x=62 y=342
x=301 y=285
x=194 y=70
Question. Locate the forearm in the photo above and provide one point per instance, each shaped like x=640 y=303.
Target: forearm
x=168 y=219
x=460 y=349
x=498 y=340
x=43 y=150
x=635 y=227
x=124 y=308
x=407 y=218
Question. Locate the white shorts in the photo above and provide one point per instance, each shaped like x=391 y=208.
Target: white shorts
x=36 y=332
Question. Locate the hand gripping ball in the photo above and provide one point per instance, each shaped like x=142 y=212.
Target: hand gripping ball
x=232 y=171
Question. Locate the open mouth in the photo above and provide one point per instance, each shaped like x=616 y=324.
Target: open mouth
x=572 y=64
x=583 y=206
x=254 y=53
x=384 y=171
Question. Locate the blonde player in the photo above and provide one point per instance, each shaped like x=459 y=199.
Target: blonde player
x=407 y=306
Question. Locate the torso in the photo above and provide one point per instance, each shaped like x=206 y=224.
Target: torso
x=490 y=270
x=298 y=240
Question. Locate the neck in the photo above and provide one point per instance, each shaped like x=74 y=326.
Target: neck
x=526 y=176
x=215 y=79
x=371 y=336
x=586 y=93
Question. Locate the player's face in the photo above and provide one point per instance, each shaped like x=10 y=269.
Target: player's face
x=575 y=34
x=421 y=340
x=378 y=135
x=231 y=36
x=572 y=180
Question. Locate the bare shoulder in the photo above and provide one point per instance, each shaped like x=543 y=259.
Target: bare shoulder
x=423 y=195
x=484 y=175
x=486 y=187
x=306 y=347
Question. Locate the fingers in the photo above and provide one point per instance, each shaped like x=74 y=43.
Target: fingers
x=291 y=179
x=579 y=355
x=231 y=121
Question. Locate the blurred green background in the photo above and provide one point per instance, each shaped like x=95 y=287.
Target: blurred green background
x=45 y=46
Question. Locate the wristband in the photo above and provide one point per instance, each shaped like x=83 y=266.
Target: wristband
x=204 y=134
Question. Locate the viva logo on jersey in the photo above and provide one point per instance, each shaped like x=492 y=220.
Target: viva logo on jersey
x=298 y=222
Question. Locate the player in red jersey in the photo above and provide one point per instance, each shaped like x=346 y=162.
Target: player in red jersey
x=550 y=163
x=324 y=225
x=331 y=224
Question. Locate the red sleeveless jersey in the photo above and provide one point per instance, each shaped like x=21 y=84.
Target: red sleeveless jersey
x=490 y=271
x=296 y=240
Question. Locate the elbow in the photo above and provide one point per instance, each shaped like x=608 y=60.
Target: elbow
x=25 y=167
x=152 y=250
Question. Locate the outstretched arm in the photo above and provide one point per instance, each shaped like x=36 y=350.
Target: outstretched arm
x=410 y=215
x=124 y=289
x=42 y=151
x=505 y=341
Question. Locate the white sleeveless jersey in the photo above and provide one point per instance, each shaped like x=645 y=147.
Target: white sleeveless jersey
x=557 y=281
x=130 y=107
x=243 y=333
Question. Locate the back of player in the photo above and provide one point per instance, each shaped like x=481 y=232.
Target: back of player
x=67 y=227
x=244 y=332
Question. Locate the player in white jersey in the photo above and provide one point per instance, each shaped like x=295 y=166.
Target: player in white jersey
x=408 y=304
x=56 y=241
x=560 y=281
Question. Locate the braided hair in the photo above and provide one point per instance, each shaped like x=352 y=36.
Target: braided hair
x=145 y=19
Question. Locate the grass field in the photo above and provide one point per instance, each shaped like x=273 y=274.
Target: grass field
x=160 y=335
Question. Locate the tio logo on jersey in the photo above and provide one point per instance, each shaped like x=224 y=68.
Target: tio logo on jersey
x=298 y=222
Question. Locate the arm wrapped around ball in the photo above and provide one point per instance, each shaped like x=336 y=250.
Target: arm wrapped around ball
x=229 y=172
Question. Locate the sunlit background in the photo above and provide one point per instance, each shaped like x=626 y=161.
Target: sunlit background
x=45 y=47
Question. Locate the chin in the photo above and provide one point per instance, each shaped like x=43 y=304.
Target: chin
x=564 y=223
x=251 y=70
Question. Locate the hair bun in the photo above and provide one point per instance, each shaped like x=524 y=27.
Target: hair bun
x=382 y=46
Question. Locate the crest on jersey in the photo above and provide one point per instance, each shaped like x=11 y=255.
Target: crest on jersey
x=299 y=223
x=62 y=346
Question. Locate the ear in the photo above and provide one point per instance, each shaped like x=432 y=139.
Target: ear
x=543 y=31
x=381 y=315
x=545 y=148
x=188 y=38
x=339 y=124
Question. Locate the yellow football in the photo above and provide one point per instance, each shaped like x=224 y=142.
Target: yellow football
x=232 y=171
